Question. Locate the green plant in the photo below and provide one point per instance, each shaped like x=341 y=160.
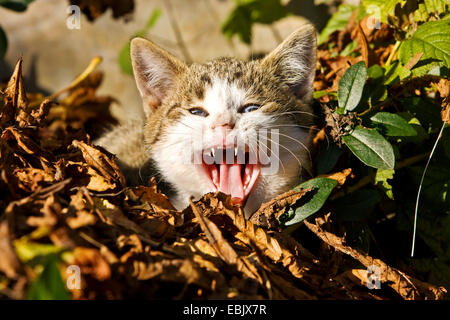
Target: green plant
x=385 y=113
x=248 y=12
x=124 y=55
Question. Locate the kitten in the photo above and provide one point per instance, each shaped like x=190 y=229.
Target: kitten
x=198 y=115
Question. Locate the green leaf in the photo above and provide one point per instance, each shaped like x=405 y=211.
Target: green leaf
x=382 y=9
x=371 y=148
x=339 y=110
x=351 y=86
x=320 y=94
x=425 y=110
x=357 y=205
x=266 y=11
x=328 y=156
x=28 y=250
x=3 y=43
x=156 y=14
x=430 y=8
x=436 y=185
x=375 y=90
x=125 y=59
x=433 y=39
x=348 y=50
x=375 y=72
x=392 y=124
x=49 y=285
x=381 y=180
x=248 y=12
x=395 y=73
x=337 y=22
x=16 y=5
x=421 y=135
x=322 y=188
x=238 y=22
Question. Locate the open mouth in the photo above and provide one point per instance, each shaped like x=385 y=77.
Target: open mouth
x=231 y=171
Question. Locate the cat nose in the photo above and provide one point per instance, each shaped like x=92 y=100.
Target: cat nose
x=225 y=126
x=222 y=131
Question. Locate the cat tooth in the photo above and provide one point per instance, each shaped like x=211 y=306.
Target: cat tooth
x=247 y=180
x=213 y=152
x=235 y=151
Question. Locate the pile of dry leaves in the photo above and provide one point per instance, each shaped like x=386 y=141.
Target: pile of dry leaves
x=61 y=196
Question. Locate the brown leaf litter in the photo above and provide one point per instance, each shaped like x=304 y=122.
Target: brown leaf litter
x=60 y=193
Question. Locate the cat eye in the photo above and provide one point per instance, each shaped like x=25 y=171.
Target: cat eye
x=249 y=108
x=197 y=111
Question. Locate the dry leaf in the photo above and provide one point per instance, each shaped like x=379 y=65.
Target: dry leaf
x=9 y=263
x=340 y=177
x=91 y=262
x=269 y=212
x=404 y=285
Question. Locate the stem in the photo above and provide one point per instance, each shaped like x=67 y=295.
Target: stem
x=416 y=210
x=177 y=31
x=366 y=111
x=393 y=52
x=409 y=161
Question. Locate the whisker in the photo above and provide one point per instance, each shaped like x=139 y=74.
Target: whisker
x=303 y=145
x=280 y=145
x=281 y=162
x=140 y=175
x=171 y=144
x=183 y=123
x=297 y=125
x=296 y=111
x=291 y=125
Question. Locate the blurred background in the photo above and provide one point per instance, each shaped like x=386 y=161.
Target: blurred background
x=195 y=30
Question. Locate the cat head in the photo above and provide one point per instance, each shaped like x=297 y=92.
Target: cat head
x=240 y=127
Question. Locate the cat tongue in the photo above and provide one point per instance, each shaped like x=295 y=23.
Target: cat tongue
x=231 y=182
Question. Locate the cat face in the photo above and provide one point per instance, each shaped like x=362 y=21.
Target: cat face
x=228 y=125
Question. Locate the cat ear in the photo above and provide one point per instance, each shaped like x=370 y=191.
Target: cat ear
x=294 y=61
x=156 y=72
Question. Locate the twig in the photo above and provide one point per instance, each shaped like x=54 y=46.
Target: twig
x=409 y=161
x=217 y=18
x=176 y=30
x=91 y=240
